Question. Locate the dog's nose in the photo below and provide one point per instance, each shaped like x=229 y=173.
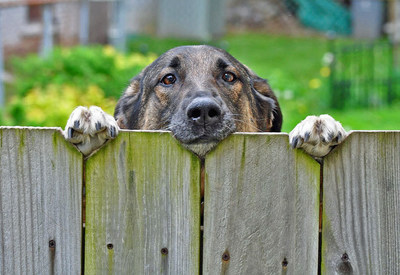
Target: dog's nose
x=204 y=111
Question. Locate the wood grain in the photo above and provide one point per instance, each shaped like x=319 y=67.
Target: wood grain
x=143 y=206
x=143 y=197
x=361 y=225
x=261 y=207
x=40 y=202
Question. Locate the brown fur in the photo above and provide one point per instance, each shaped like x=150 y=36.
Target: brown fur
x=246 y=104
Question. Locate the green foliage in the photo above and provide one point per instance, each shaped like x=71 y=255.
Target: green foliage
x=52 y=105
x=81 y=67
x=2 y=121
x=47 y=90
x=383 y=118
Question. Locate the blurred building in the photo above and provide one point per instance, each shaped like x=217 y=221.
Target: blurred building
x=22 y=26
x=207 y=19
x=194 y=19
x=21 y=21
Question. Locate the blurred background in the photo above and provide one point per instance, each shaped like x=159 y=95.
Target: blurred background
x=320 y=56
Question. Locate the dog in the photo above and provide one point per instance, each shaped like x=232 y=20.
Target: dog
x=201 y=94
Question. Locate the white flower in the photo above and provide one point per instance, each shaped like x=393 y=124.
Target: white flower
x=288 y=94
x=328 y=58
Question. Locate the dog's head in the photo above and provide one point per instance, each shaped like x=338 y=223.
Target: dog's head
x=200 y=93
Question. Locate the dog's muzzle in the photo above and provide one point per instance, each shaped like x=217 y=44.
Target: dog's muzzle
x=202 y=124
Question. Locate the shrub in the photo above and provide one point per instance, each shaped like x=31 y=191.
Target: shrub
x=47 y=90
x=2 y=120
x=79 y=66
x=52 y=105
x=62 y=66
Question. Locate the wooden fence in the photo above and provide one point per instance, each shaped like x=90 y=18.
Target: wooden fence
x=143 y=206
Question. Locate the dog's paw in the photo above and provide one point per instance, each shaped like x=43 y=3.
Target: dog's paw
x=90 y=128
x=317 y=135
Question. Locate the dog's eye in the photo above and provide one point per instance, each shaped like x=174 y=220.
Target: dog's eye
x=169 y=79
x=229 y=77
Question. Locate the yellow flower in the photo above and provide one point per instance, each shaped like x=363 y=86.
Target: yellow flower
x=109 y=50
x=135 y=59
x=325 y=71
x=314 y=83
x=52 y=105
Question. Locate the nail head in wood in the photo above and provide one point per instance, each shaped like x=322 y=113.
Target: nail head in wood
x=226 y=257
x=164 y=251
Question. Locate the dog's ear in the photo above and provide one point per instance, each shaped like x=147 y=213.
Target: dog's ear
x=266 y=101
x=128 y=107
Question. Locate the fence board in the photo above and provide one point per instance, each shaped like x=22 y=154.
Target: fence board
x=261 y=207
x=40 y=201
x=361 y=226
x=142 y=195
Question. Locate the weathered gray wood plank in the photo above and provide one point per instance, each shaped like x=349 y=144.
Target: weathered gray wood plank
x=142 y=195
x=261 y=207
x=361 y=225
x=40 y=201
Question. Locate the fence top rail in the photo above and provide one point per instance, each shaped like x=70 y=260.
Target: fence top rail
x=164 y=131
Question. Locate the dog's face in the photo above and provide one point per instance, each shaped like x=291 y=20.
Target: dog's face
x=200 y=93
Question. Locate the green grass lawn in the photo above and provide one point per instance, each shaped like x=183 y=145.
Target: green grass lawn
x=263 y=53
x=387 y=118
x=290 y=64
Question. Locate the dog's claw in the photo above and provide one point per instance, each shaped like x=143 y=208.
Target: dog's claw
x=113 y=132
x=339 y=137
x=307 y=136
x=70 y=132
x=98 y=126
x=331 y=136
x=294 y=142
